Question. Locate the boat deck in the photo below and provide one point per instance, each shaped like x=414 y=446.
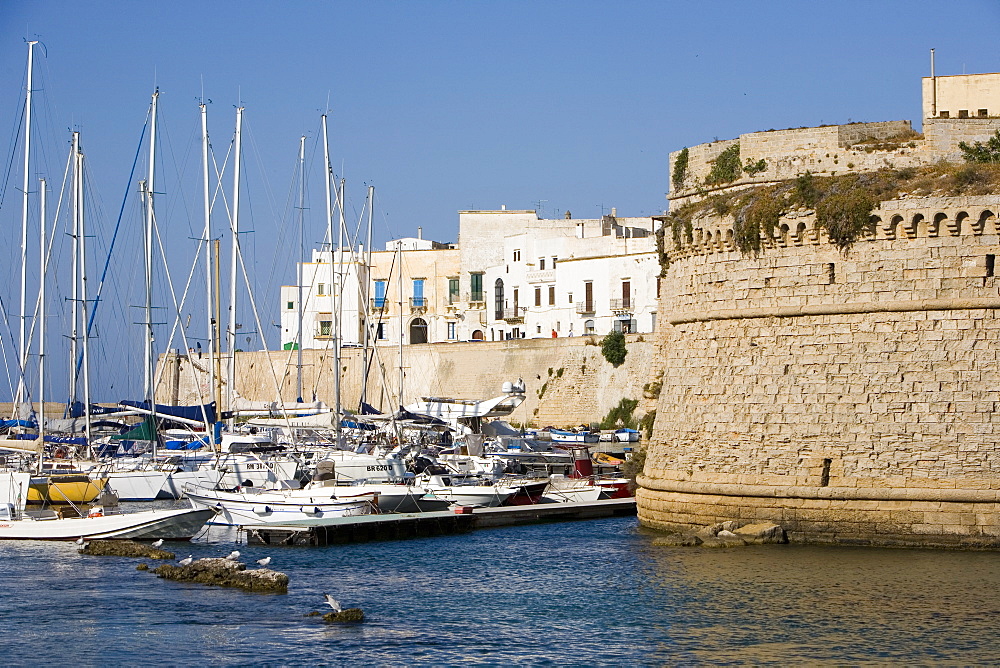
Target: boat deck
x=398 y=526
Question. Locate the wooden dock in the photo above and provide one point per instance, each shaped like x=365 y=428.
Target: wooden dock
x=400 y=526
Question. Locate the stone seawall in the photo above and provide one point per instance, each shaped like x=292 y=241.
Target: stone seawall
x=849 y=398
x=568 y=380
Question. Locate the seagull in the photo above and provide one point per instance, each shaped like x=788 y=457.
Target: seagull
x=233 y=556
x=157 y=543
x=265 y=561
x=186 y=561
x=333 y=603
x=79 y=541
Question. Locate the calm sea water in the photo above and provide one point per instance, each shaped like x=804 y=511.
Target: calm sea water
x=583 y=593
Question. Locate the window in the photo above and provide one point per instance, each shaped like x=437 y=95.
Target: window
x=963 y=113
x=552 y=295
x=983 y=113
x=325 y=327
x=570 y=298
x=553 y=261
x=944 y=114
x=291 y=306
x=476 y=287
x=538 y=296
x=498 y=299
x=515 y=300
x=380 y=331
x=626 y=294
x=517 y=255
x=320 y=289
x=418 y=331
x=991 y=263
x=451 y=331
x=379 y=294
x=538 y=329
x=541 y=264
x=452 y=290
x=418 y=292
x=588 y=296
x=588 y=326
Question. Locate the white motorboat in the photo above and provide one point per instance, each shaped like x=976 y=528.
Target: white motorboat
x=274 y=507
x=483 y=496
x=182 y=524
x=387 y=497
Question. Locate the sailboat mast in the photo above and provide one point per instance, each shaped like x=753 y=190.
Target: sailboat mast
x=82 y=244
x=302 y=268
x=41 y=316
x=234 y=260
x=207 y=236
x=23 y=350
x=74 y=332
x=399 y=257
x=338 y=312
x=148 y=238
x=365 y=293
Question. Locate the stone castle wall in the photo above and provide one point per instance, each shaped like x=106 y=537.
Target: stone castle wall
x=830 y=150
x=568 y=380
x=851 y=398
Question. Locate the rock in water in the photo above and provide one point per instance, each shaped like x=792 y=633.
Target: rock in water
x=349 y=616
x=678 y=540
x=765 y=532
x=225 y=573
x=124 y=548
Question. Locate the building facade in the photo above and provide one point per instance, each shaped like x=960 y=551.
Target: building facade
x=512 y=275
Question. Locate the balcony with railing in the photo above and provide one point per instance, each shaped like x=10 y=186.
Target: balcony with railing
x=379 y=304
x=513 y=314
x=584 y=308
x=475 y=299
x=621 y=306
x=418 y=304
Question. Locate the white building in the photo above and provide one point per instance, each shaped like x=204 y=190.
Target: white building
x=514 y=275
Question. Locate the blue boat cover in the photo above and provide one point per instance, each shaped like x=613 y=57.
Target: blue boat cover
x=204 y=413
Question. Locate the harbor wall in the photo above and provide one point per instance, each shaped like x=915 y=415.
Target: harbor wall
x=850 y=397
x=568 y=380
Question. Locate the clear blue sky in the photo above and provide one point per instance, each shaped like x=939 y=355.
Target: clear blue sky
x=445 y=106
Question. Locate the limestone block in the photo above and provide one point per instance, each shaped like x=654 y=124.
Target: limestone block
x=762 y=533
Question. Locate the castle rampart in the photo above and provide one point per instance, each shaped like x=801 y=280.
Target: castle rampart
x=849 y=397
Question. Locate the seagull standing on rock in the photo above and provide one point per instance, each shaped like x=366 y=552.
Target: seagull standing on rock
x=333 y=603
x=186 y=561
x=233 y=556
x=265 y=561
x=157 y=543
x=79 y=541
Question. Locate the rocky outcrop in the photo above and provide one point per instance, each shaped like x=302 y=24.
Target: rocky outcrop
x=349 y=616
x=124 y=548
x=226 y=573
x=726 y=534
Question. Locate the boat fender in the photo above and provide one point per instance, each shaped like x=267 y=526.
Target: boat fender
x=96 y=511
x=262 y=510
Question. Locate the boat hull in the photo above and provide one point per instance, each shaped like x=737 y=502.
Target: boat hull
x=65 y=489
x=146 y=525
x=237 y=509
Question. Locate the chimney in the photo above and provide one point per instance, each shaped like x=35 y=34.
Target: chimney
x=420 y=233
x=568 y=215
x=614 y=212
x=503 y=207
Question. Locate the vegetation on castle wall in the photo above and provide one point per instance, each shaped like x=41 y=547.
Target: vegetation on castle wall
x=621 y=416
x=633 y=466
x=755 y=167
x=727 y=167
x=680 y=169
x=613 y=348
x=980 y=152
x=646 y=423
x=843 y=204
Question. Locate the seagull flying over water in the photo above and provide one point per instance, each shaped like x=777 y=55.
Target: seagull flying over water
x=265 y=561
x=157 y=543
x=333 y=603
x=186 y=561
x=233 y=556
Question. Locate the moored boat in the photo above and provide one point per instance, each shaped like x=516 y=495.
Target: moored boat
x=145 y=525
